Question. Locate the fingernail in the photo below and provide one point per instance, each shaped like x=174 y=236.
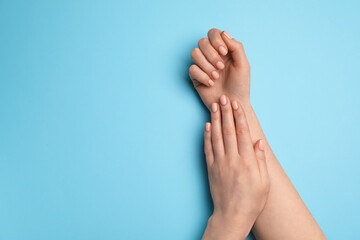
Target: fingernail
x=207 y=127
x=214 y=107
x=223 y=50
x=215 y=74
x=235 y=105
x=211 y=83
x=220 y=65
x=261 y=145
x=227 y=35
x=223 y=100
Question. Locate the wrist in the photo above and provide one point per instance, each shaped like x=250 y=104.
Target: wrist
x=244 y=101
x=227 y=227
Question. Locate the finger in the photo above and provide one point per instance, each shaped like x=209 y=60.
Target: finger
x=210 y=53
x=217 y=42
x=199 y=59
x=236 y=49
x=261 y=159
x=208 y=145
x=216 y=134
x=242 y=129
x=199 y=76
x=228 y=126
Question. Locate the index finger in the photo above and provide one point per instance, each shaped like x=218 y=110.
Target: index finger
x=217 y=42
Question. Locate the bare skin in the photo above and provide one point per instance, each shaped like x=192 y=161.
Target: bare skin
x=238 y=176
x=221 y=67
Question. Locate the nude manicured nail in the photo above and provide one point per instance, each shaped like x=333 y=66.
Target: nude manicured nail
x=214 y=107
x=223 y=100
x=261 y=145
x=227 y=35
x=235 y=105
x=223 y=50
x=207 y=127
x=220 y=65
x=215 y=74
x=211 y=83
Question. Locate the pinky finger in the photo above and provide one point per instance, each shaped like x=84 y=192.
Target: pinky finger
x=199 y=76
x=261 y=159
x=208 y=145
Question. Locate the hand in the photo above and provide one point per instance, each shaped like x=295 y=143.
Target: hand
x=221 y=67
x=238 y=176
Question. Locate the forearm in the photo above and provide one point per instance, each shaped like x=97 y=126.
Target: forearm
x=285 y=215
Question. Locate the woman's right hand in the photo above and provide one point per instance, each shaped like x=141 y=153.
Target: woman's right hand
x=238 y=176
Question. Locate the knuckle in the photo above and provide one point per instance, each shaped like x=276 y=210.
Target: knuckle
x=240 y=44
x=217 y=43
x=214 y=57
x=212 y=30
x=261 y=156
x=245 y=165
x=194 y=52
x=234 y=158
x=241 y=130
x=203 y=78
x=216 y=137
x=192 y=69
x=227 y=130
x=203 y=41
x=233 y=164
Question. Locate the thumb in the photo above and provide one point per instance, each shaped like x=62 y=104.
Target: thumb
x=261 y=159
x=236 y=49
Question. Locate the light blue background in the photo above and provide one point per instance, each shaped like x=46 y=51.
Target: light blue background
x=101 y=131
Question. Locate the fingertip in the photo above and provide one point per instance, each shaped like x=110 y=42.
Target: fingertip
x=220 y=65
x=236 y=49
x=211 y=83
x=227 y=34
x=261 y=145
x=215 y=74
x=214 y=107
x=259 y=149
x=235 y=105
x=223 y=51
x=238 y=110
x=223 y=100
x=227 y=40
x=207 y=127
